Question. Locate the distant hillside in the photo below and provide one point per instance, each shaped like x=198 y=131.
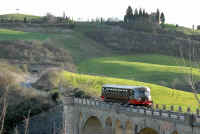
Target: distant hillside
x=89 y=40
x=131 y=41
x=18 y=16
x=80 y=46
x=180 y=29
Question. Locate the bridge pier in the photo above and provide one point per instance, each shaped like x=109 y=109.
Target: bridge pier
x=68 y=115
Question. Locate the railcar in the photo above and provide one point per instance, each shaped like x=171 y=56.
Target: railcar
x=132 y=95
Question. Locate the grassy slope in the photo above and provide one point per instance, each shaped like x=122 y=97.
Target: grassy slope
x=156 y=69
x=80 y=46
x=160 y=94
x=185 y=30
x=77 y=43
x=6 y=34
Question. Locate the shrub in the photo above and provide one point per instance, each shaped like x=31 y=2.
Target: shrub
x=198 y=27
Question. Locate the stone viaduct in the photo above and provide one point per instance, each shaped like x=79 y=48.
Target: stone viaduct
x=84 y=116
x=90 y=116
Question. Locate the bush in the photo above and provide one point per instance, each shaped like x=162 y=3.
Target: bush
x=81 y=94
x=72 y=26
x=24 y=67
x=6 y=81
x=198 y=27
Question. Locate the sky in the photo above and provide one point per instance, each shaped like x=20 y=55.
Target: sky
x=181 y=12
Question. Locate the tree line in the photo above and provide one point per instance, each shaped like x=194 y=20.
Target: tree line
x=142 y=15
x=48 y=19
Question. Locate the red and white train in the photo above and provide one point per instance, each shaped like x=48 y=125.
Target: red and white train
x=132 y=95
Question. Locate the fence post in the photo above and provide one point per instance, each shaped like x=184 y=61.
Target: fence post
x=180 y=109
x=164 y=107
x=197 y=112
x=172 y=108
x=157 y=106
x=188 y=110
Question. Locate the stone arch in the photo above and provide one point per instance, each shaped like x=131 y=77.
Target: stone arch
x=148 y=131
x=87 y=116
x=129 y=127
x=118 y=127
x=92 y=125
x=108 y=125
x=175 y=132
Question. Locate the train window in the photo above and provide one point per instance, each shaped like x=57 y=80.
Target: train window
x=123 y=93
x=132 y=92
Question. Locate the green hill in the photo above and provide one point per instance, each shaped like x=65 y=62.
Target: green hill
x=7 y=34
x=156 y=69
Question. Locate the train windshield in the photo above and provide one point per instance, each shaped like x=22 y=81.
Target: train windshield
x=141 y=93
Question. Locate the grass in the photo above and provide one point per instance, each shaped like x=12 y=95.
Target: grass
x=7 y=34
x=79 y=46
x=160 y=95
x=156 y=69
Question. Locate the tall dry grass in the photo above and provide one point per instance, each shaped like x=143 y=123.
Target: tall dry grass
x=3 y=103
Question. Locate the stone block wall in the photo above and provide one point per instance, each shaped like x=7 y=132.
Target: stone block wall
x=49 y=122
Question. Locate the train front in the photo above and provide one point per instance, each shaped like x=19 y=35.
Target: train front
x=141 y=97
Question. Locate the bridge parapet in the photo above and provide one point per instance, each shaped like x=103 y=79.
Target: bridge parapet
x=180 y=116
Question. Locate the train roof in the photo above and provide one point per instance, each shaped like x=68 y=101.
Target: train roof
x=123 y=86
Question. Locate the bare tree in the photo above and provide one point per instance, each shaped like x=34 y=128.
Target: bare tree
x=3 y=112
x=27 y=122
x=191 y=61
x=5 y=83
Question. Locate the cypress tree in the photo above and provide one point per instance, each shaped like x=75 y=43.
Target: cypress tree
x=143 y=13
x=25 y=20
x=136 y=14
x=162 y=18
x=140 y=12
x=158 y=16
x=129 y=15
